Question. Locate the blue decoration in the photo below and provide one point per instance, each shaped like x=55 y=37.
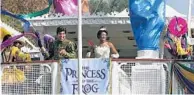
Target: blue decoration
x=26 y=25
x=147 y=21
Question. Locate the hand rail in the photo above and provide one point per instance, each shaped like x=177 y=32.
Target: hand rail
x=119 y=60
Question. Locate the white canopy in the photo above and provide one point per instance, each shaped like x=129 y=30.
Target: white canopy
x=171 y=12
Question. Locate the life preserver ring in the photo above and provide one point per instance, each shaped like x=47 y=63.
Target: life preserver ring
x=178 y=26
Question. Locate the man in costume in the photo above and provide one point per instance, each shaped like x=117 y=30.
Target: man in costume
x=62 y=47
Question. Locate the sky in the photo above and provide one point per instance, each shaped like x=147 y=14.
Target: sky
x=181 y=6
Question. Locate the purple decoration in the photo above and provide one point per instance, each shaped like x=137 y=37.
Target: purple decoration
x=183 y=43
x=48 y=37
x=47 y=40
x=9 y=41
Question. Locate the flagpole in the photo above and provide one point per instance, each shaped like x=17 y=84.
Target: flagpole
x=189 y=18
x=80 y=46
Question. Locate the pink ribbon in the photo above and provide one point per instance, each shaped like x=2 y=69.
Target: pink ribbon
x=66 y=7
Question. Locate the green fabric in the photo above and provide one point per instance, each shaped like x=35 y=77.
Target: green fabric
x=186 y=68
x=69 y=46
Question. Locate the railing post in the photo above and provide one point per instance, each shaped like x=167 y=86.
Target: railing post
x=1 y=72
x=55 y=78
x=163 y=78
x=115 y=78
x=80 y=47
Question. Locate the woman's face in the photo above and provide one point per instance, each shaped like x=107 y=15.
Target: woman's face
x=20 y=45
x=103 y=36
x=17 y=44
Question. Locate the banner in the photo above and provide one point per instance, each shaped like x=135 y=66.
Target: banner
x=95 y=76
x=147 y=21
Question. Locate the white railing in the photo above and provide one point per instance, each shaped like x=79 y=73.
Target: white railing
x=128 y=76
x=136 y=77
x=29 y=78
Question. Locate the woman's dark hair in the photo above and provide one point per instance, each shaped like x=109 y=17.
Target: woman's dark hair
x=6 y=37
x=100 y=32
x=14 y=43
x=60 y=29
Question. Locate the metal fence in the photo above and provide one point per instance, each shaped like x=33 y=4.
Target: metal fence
x=128 y=77
x=28 y=78
x=140 y=77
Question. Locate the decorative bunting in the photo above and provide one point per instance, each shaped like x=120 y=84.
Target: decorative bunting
x=183 y=80
x=26 y=25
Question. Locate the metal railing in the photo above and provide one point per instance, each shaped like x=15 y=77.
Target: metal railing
x=140 y=76
x=135 y=76
x=28 y=78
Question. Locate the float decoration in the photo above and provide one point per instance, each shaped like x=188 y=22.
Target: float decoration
x=26 y=25
x=38 y=13
x=176 y=38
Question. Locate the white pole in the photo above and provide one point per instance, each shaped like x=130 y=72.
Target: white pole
x=80 y=46
x=189 y=18
x=55 y=78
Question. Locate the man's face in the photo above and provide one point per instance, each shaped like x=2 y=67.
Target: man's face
x=61 y=36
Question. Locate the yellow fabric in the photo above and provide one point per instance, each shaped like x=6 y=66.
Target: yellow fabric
x=14 y=50
x=12 y=75
x=3 y=32
x=180 y=50
x=21 y=55
x=26 y=57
